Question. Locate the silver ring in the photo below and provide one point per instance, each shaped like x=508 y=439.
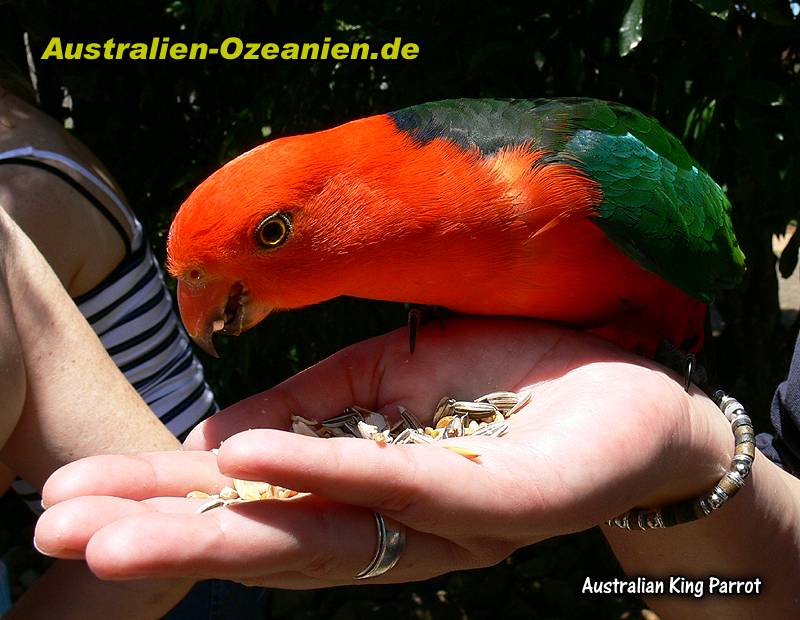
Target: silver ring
x=391 y=542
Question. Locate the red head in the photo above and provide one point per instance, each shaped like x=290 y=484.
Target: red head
x=359 y=210
x=240 y=244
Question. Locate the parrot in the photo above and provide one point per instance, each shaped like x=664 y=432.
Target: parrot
x=577 y=211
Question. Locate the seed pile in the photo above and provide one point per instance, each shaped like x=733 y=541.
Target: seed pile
x=485 y=416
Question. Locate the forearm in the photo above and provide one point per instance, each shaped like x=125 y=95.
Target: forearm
x=63 y=398
x=68 y=590
x=75 y=402
x=754 y=536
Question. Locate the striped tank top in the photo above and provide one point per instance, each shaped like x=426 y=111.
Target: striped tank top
x=131 y=311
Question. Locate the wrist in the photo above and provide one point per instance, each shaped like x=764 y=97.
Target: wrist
x=728 y=485
x=697 y=454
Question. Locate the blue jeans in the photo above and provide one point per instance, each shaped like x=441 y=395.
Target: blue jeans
x=216 y=599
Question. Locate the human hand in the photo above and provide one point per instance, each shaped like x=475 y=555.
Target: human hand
x=604 y=431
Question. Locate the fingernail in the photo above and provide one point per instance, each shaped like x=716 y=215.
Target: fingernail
x=38 y=548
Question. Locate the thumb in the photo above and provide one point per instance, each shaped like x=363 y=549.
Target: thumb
x=320 y=392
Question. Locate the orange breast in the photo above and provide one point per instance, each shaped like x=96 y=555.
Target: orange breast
x=517 y=239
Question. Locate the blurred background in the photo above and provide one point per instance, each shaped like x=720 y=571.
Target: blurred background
x=721 y=75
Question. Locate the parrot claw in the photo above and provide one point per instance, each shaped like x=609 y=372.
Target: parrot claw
x=419 y=315
x=414 y=318
x=685 y=364
x=687 y=373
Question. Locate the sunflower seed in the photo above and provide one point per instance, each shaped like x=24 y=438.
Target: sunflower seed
x=493 y=429
x=408 y=418
x=349 y=416
x=214 y=503
x=404 y=436
x=445 y=407
x=524 y=399
x=302 y=426
x=417 y=437
x=475 y=410
x=504 y=401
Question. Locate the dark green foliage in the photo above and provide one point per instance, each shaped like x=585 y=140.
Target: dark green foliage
x=720 y=75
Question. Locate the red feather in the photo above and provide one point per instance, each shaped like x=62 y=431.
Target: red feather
x=377 y=215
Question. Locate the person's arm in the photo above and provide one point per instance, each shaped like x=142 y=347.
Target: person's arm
x=62 y=398
x=76 y=240
x=756 y=535
x=604 y=432
x=69 y=591
x=79 y=245
x=76 y=401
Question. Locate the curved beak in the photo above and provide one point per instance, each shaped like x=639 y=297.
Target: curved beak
x=217 y=306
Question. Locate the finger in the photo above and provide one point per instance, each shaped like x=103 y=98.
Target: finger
x=412 y=483
x=140 y=476
x=321 y=391
x=64 y=530
x=521 y=484
x=305 y=543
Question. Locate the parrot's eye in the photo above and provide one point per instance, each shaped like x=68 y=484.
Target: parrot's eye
x=274 y=230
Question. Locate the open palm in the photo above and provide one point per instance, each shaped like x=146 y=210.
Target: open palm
x=604 y=431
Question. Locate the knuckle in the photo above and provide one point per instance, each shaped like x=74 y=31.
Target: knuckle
x=398 y=500
x=323 y=564
x=488 y=552
x=327 y=561
x=404 y=495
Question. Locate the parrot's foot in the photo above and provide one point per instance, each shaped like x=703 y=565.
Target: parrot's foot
x=684 y=364
x=419 y=315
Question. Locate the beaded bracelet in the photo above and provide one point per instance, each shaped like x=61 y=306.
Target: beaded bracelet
x=733 y=480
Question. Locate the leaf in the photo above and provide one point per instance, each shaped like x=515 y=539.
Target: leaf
x=656 y=19
x=630 y=32
x=717 y=8
x=765 y=92
x=767 y=11
x=699 y=119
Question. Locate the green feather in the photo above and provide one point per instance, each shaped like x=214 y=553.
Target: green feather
x=659 y=206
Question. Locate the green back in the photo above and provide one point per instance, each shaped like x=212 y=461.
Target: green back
x=659 y=206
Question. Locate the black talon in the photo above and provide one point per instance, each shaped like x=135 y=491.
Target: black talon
x=414 y=319
x=687 y=373
x=419 y=315
x=685 y=364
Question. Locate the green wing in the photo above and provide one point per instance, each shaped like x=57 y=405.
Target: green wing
x=659 y=206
